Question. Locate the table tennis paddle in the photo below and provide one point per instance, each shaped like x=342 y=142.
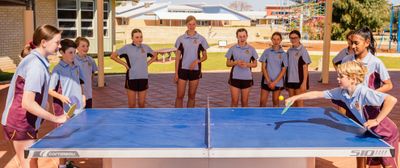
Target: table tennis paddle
x=71 y=110
x=286 y=108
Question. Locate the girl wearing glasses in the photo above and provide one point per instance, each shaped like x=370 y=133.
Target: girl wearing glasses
x=297 y=71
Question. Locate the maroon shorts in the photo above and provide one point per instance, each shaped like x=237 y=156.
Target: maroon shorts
x=388 y=130
x=15 y=135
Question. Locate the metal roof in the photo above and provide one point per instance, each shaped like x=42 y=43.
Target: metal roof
x=199 y=16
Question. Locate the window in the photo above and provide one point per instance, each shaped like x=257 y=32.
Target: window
x=67 y=14
x=203 y=23
x=106 y=16
x=87 y=15
x=76 y=18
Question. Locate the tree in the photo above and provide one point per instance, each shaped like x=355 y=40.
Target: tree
x=240 y=5
x=354 y=14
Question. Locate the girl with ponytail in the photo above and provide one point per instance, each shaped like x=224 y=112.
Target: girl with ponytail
x=363 y=44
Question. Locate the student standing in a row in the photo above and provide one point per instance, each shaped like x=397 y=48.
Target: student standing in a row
x=273 y=69
x=297 y=72
x=88 y=67
x=191 y=52
x=241 y=57
x=136 y=63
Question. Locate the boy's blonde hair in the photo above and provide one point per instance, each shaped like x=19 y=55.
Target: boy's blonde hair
x=353 y=69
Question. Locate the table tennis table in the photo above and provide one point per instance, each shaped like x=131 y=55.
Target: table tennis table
x=209 y=137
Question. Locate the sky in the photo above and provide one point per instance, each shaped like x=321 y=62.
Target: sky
x=254 y=3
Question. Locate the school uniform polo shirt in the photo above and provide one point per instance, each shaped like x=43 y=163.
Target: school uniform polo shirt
x=377 y=71
x=136 y=58
x=88 y=66
x=362 y=96
x=339 y=57
x=66 y=79
x=246 y=53
x=191 y=48
x=274 y=62
x=31 y=75
x=297 y=57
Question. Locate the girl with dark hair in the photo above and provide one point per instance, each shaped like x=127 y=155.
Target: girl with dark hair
x=296 y=80
x=274 y=64
x=363 y=44
x=377 y=77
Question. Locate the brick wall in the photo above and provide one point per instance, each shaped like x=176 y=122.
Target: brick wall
x=11 y=36
x=46 y=12
x=12 y=31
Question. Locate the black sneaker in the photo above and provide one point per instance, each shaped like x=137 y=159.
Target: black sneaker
x=70 y=164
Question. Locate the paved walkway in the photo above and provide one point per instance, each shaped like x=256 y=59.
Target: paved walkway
x=162 y=94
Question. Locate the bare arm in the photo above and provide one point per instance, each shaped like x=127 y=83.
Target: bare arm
x=195 y=62
x=83 y=97
x=177 y=60
x=265 y=72
x=386 y=87
x=114 y=56
x=387 y=107
x=305 y=76
x=58 y=96
x=153 y=58
x=280 y=76
x=252 y=64
x=29 y=104
x=204 y=56
x=230 y=63
x=306 y=96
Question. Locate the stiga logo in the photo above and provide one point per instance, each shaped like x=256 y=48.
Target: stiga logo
x=368 y=153
x=57 y=154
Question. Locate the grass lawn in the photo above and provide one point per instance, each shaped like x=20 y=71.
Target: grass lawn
x=215 y=61
x=6 y=76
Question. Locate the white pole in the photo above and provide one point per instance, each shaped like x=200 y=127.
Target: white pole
x=301 y=18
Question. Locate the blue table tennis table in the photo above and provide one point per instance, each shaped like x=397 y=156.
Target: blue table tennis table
x=209 y=137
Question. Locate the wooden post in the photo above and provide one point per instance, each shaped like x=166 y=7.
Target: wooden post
x=327 y=42
x=28 y=26
x=113 y=22
x=100 y=42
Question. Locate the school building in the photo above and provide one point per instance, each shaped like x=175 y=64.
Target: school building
x=74 y=17
x=152 y=13
x=280 y=12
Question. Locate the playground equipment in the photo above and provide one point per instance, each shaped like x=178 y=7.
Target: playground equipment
x=394 y=38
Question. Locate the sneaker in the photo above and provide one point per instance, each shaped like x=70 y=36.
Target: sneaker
x=70 y=164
